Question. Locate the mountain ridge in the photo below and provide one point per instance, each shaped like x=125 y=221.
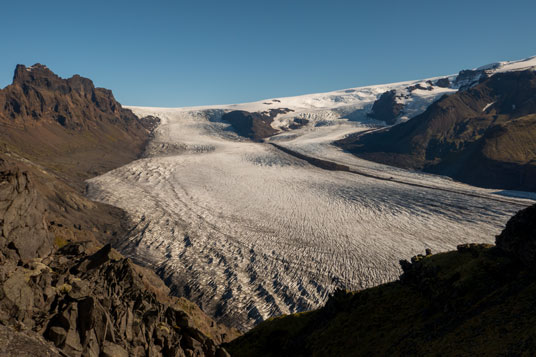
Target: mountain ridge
x=40 y=112
x=483 y=135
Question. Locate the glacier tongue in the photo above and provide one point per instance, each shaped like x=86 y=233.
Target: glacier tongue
x=250 y=232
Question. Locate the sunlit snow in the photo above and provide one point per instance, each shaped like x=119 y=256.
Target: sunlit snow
x=249 y=232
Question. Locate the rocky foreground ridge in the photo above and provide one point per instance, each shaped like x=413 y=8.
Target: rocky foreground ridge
x=478 y=300
x=63 y=290
x=102 y=304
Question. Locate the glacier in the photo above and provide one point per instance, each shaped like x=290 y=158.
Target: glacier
x=249 y=232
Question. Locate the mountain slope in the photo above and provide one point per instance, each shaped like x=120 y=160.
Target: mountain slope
x=484 y=135
x=477 y=300
x=56 y=278
x=67 y=125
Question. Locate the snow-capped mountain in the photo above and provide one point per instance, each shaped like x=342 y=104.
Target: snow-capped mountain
x=484 y=134
x=357 y=103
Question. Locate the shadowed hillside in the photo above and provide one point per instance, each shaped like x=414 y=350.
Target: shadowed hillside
x=485 y=135
x=478 y=300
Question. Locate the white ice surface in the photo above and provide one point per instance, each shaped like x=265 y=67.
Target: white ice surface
x=352 y=103
x=249 y=232
x=524 y=64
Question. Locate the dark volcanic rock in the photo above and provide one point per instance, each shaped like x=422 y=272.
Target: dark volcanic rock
x=386 y=108
x=518 y=239
x=468 y=78
x=298 y=123
x=24 y=344
x=443 y=82
x=55 y=282
x=255 y=125
x=419 y=86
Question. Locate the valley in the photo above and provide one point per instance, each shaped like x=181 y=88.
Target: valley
x=217 y=179
x=248 y=231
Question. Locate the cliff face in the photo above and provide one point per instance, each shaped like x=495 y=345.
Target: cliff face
x=59 y=281
x=477 y=300
x=67 y=125
x=485 y=135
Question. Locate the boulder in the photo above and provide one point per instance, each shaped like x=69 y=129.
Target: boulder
x=22 y=226
x=113 y=350
x=386 y=108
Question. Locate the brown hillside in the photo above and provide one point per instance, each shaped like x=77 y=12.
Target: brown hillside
x=484 y=136
x=55 y=283
x=67 y=125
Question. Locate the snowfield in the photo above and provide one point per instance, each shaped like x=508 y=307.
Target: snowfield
x=248 y=231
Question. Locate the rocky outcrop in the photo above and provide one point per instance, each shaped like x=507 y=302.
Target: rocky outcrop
x=297 y=123
x=254 y=125
x=468 y=78
x=386 y=108
x=23 y=229
x=102 y=304
x=15 y=343
x=68 y=125
x=443 y=82
x=484 y=135
x=519 y=237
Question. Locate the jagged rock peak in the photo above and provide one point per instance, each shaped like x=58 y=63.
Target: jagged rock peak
x=33 y=73
x=41 y=76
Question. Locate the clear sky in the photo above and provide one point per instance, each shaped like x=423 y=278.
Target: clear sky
x=183 y=53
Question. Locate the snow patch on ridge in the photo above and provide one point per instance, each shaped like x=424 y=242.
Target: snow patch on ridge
x=487 y=106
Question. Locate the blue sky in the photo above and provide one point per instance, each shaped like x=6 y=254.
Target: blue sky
x=183 y=53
